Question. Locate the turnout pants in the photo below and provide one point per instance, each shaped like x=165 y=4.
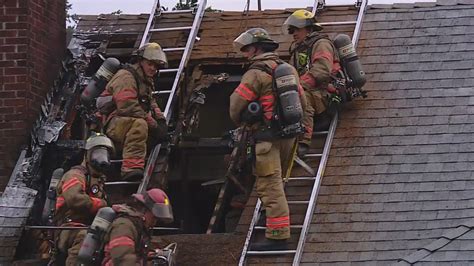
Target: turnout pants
x=272 y=160
x=68 y=243
x=316 y=103
x=130 y=134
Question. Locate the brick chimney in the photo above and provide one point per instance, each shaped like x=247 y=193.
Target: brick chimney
x=32 y=45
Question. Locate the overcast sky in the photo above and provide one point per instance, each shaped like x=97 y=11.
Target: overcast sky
x=144 y=6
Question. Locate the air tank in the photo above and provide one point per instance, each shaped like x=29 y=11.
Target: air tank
x=98 y=82
x=349 y=60
x=287 y=90
x=95 y=236
x=50 y=203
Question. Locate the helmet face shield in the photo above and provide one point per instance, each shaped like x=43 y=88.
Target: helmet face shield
x=99 y=150
x=244 y=39
x=160 y=207
x=163 y=212
x=254 y=36
x=99 y=158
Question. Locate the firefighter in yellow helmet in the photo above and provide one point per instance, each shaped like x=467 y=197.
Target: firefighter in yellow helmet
x=127 y=241
x=272 y=151
x=316 y=60
x=80 y=195
x=135 y=117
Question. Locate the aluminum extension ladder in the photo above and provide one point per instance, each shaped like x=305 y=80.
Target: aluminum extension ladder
x=316 y=177
x=186 y=50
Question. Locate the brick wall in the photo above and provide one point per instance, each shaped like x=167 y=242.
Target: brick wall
x=32 y=43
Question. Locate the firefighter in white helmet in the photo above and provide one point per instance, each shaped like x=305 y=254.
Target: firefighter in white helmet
x=80 y=195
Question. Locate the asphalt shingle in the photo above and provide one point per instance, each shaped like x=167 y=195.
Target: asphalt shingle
x=399 y=175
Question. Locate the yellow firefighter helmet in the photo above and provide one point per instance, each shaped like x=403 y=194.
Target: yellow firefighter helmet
x=301 y=18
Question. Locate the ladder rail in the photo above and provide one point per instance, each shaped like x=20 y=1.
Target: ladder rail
x=149 y=23
x=321 y=167
x=315 y=191
x=316 y=4
x=325 y=156
x=255 y=216
x=150 y=166
x=360 y=18
x=186 y=55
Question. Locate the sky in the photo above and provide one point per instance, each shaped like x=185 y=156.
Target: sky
x=92 y=7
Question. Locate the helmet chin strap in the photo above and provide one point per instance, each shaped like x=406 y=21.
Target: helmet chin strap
x=140 y=64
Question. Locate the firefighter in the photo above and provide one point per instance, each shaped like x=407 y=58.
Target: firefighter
x=316 y=60
x=136 y=117
x=80 y=195
x=127 y=242
x=272 y=152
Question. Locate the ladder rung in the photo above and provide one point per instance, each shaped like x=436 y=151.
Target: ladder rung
x=291 y=226
x=313 y=155
x=336 y=23
x=169 y=70
x=320 y=133
x=171 y=29
x=305 y=166
x=298 y=202
x=296 y=178
x=165 y=228
x=174 y=49
x=341 y=5
x=161 y=92
x=117 y=183
x=176 y=11
x=273 y=252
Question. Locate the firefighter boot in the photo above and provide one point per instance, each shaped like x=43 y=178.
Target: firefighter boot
x=303 y=148
x=134 y=175
x=269 y=245
x=322 y=121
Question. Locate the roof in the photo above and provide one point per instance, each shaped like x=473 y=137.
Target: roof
x=217 y=31
x=455 y=245
x=400 y=171
x=399 y=177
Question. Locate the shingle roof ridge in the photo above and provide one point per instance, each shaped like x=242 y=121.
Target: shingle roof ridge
x=422 y=4
x=447 y=237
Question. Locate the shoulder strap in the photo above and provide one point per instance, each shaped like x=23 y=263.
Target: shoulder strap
x=139 y=226
x=81 y=168
x=143 y=99
x=85 y=172
x=260 y=65
x=134 y=74
x=309 y=43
